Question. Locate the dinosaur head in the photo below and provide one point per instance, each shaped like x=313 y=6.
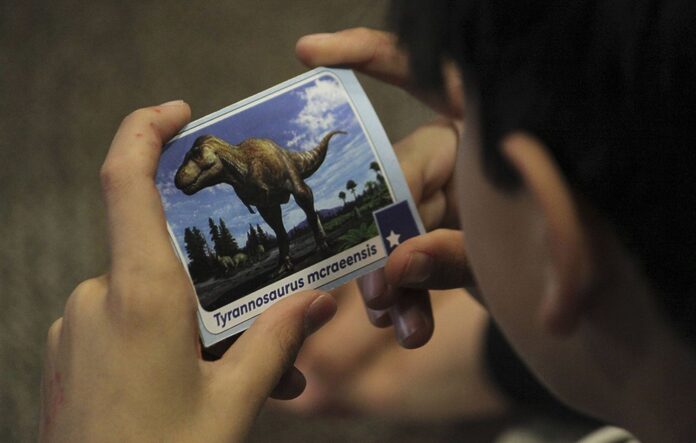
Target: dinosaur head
x=202 y=167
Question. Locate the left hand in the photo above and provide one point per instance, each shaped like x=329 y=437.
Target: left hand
x=124 y=364
x=371 y=375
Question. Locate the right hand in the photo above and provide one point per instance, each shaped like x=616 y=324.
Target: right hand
x=370 y=374
x=437 y=260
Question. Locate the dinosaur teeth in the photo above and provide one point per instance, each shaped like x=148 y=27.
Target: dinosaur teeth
x=192 y=187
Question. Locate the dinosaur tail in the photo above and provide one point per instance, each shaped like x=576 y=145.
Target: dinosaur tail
x=309 y=161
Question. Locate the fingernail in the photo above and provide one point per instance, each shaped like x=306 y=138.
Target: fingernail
x=406 y=324
x=173 y=103
x=313 y=38
x=418 y=269
x=318 y=313
x=379 y=317
x=411 y=323
x=375 y=290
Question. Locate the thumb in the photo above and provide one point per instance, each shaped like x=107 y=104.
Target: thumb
x=436 y=260
x=266 y=351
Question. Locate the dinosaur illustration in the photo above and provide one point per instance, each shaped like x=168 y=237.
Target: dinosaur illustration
x=226 y=263
x=263 y=175
x=229 y=264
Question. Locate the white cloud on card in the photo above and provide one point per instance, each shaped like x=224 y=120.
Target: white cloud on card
x=317 y=116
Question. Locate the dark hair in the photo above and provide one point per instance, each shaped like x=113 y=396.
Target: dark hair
x=609 y=86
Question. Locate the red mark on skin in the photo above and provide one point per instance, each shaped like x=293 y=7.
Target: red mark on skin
x=56 y=398
x=158 y=110
x=139 y=134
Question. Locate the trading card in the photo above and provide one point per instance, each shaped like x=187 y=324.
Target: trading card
x=292 y=189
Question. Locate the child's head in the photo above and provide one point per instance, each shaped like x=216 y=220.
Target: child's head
x=576 y=231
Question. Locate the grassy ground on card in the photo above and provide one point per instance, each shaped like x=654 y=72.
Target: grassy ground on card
x=349 y=228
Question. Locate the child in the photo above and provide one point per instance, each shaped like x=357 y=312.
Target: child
x=573 y=193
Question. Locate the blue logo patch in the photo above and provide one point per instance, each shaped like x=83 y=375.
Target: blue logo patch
x=396 y=224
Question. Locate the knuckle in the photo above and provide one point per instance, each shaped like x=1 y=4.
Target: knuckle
x=130 y=307
x=88 y=287
x=365 y=33
x=54 y=332
x=107 y=176
x=382 y=44
x=144 y=120
x=130 y=299
x=139 y=300
x=114 y=175
x=130 y=120
x=375 y=42
x=137 y=117
x=160 y=275
x=84 y=294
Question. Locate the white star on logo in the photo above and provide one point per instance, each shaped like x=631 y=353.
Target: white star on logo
x=393 y=239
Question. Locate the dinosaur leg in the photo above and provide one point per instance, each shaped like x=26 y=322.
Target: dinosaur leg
x=274 y=218
x=305 y=199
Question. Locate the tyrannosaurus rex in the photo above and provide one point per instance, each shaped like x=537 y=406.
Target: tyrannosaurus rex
x=263 y=175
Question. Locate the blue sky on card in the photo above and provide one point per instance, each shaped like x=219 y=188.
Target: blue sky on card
x=297 y=120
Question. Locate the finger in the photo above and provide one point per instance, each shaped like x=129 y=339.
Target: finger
x=379 y=297
x=51 y=394
x=379 y=317
x=347 y=295
x=87 y=297
x=291 y=384
x=433 y=382
x=52 y=340
x=326 y=395
x=269 y=348
x=376 y=53
x=50 y=354
x=136 y=222
x=427 y=173
x=427 y=157
x=342 y=348
x=412 y=316
x=375 y=291
x=312 y=401
x=372 y=52
x=436 y=260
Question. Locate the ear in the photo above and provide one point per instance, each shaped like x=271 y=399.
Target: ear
x=570 y=274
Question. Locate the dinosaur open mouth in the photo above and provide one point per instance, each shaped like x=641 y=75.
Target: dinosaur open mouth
x=192 y=187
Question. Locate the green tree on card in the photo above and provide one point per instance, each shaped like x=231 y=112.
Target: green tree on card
x=351 y=185
x=228 y=245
